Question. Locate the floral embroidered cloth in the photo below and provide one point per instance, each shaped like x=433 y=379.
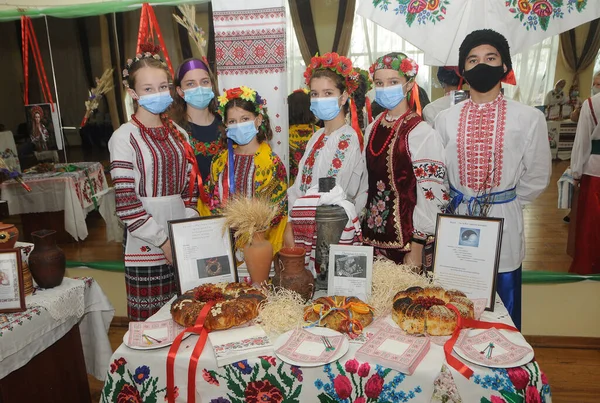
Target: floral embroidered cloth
x=74 y=192
x=140 y=376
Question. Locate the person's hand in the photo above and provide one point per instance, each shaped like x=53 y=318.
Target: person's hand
x=415 y=256
x=166 y=248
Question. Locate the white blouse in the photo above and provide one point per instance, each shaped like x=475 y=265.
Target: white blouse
x=583 y=162
x=428 y=161
x=505 y=144
x=346 y=164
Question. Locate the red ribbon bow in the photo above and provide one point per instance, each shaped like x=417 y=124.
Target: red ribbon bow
x=464 y=323
x=198 y=328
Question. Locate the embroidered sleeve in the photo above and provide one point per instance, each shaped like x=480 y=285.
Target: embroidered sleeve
x=129 y=207
x=279 y=193
x=582 y=145
x=217 y=168
x=427 y=153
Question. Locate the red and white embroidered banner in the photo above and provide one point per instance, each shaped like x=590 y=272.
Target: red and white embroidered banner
x=250 y=51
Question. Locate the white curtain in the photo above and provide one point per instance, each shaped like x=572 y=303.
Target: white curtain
x=534 y=70
x=295 y=63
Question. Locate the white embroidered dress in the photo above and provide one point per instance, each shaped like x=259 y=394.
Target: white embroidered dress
x=498 y=146
x=340 y=156
x=151 y=179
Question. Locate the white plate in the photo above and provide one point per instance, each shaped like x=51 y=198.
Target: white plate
x=159 y=316
x=513 y=337
x=320 y=331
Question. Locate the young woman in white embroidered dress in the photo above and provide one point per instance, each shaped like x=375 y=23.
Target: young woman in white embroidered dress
x=151 y=162
x=405 y=162
x=336 y=149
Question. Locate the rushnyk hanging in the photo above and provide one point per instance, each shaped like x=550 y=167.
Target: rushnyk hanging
x=251 y=51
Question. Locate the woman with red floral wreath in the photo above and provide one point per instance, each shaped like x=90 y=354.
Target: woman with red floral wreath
x=336 y=149
x=153 y=169
x=405 y=164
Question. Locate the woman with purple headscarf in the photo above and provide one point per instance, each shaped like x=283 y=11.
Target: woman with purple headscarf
x=195 y=109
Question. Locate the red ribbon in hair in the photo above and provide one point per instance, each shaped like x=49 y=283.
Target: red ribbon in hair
x=148 y=25
x=369 y=110
x=414 y=99
x=198 y=328
x=464 y=323
x=195 y=175
x=28 y=39
x=355 y=125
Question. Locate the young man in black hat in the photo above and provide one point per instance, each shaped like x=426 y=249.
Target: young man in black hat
x=497 y=154
x=449 y=80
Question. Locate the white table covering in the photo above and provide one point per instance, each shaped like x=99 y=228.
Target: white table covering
x=73 y=192
x=136 y=374
x=23 y=335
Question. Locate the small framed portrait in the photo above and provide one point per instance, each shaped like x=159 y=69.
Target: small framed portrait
x=467 y=255
x=202 y=252
x=351 y=271
x=12 y=293
x=44 y=129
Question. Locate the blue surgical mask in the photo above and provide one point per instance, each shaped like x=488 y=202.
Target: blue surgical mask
x=325 y=108
x=156 y=103
x=198 y=97
x=389 y=97
x=242 y=133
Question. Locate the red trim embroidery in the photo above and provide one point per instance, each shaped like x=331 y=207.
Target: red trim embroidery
x=480 y=144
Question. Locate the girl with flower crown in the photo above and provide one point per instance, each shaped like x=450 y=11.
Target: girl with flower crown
x=195 y=109
x=153 y=170
x=405 y=162
x=336 y=149
x=248 y=166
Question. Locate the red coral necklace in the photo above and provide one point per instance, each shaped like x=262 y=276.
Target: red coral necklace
x=389 y=137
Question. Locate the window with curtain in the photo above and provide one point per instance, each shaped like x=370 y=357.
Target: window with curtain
x=534 y=70
x=296 y=66
x=370 y=41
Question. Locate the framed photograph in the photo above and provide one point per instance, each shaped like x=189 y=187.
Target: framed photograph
x=350 y=271
x=202 y=252
x=467 y=254
x=12 y=294
x=45 y=131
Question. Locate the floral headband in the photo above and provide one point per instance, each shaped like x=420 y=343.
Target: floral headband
x=149 y=51
x=243 y=92
x=338 y=64
x=402 y=63
x=304 y=90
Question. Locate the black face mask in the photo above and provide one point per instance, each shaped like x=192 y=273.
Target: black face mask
x=484 y=77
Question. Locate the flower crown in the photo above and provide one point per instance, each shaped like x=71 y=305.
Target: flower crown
x=304 y=90
x=243 y=92
x=37 y=110
x=149 y=51
x=338 y=64
x=402 y=63
x=367 y=77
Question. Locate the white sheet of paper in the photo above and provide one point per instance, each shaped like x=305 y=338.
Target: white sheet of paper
x=465 y=256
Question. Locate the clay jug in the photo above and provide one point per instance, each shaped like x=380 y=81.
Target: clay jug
x=258 y=255
x=291 y=274
x=47 y=261
x=9 y=234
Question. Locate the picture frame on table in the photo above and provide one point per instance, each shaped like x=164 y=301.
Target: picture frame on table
x=350 y=271
x=203 y=252
x=467 y=255
x=12 y=289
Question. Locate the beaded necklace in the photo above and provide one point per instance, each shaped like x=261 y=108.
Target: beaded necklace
x=389 y=137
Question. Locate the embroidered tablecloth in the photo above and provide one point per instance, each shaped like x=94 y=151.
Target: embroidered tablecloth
x=24 y=335
x=74 y=192
x=136 y=375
